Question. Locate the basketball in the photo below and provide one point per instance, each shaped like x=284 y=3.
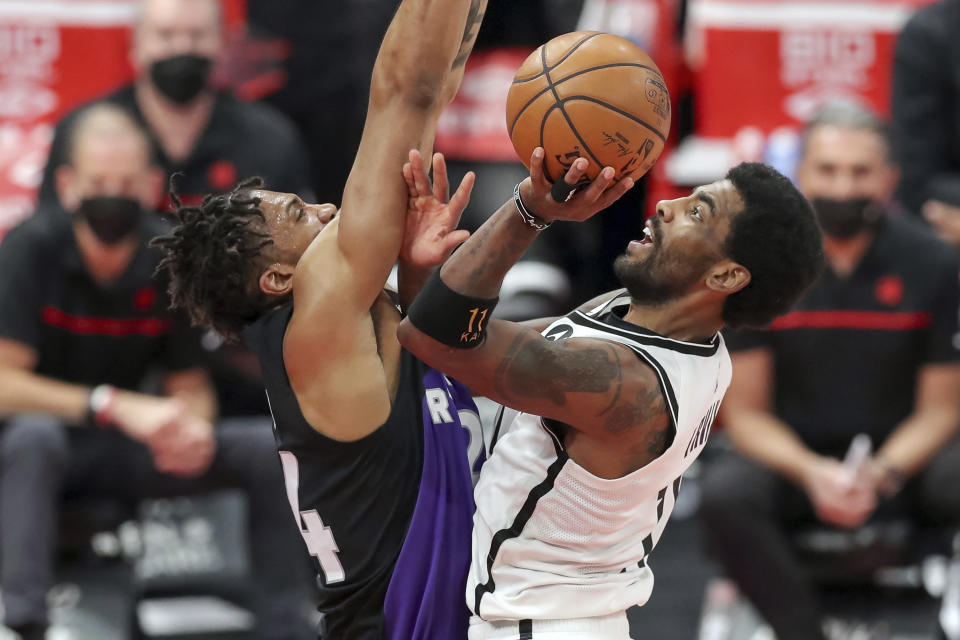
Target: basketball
x=593 y=95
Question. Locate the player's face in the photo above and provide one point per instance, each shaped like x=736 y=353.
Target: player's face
x=680 y=243
x=291 y=223
x=845 y=164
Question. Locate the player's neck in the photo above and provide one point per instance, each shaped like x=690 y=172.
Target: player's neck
x=693 y=318
x=176 y=126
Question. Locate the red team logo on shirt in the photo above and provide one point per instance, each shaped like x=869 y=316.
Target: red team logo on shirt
x=889 y=290
x=222 y=174
x=144 y=298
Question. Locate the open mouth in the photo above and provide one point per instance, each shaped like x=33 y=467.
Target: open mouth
x=647 y=238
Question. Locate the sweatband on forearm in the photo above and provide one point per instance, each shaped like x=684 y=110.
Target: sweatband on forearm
x=454 y=319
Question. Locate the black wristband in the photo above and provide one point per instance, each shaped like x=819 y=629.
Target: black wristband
x=454 y=319
x=529 y=218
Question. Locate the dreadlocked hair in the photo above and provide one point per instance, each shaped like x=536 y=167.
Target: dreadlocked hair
x=211 y=259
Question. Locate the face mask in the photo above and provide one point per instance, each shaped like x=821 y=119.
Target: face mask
x=181 y=78
x=846 y=218
x=112 y=219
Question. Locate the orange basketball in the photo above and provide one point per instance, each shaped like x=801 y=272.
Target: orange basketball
x=593 y=95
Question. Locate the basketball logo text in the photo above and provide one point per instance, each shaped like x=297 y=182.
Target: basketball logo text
x=657 y=95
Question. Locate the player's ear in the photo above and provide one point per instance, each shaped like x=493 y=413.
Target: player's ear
x=727 y=277
x=277 y=279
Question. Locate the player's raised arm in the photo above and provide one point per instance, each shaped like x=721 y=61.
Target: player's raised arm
x=416 y=74
x=332 y=348
x=514 y=364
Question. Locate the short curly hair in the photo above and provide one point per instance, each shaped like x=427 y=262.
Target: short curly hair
x=211 y=259
x=777 y=238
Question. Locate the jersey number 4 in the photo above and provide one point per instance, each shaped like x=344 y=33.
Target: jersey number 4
x=317 y=536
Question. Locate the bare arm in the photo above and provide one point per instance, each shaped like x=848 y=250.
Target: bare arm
x=515 y=365
x=932 y=423
x=23 y=391
x=194 y=389
x=412 y=275
x=344 y=270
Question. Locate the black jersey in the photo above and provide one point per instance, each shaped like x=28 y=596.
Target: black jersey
x=847 y=357
x=387 y=518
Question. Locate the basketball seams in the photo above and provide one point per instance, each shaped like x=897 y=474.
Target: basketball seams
x=582 y=71
x=545 y=68
x=575 y=74
x=558 y=103
x=607 y=105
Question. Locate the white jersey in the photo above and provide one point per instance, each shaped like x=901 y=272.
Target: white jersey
x=553 y=541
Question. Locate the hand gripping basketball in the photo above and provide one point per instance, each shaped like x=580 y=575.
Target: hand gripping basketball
x=537 y=192
x=589 y=95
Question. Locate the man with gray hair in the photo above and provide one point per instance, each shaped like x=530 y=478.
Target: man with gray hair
x=870 y=349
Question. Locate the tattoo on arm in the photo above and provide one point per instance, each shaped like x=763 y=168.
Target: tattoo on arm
x=536 y=368
x=616 y=393
x=647 y=404
x=658 y=442
x=470 y=31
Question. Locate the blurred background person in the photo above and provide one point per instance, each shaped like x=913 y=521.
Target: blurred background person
x=756 y=71
x=83 y=326
x=926 y=121
x=206 y=136
x=869 y=349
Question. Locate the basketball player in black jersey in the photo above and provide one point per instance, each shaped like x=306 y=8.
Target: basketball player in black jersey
x=613 y=404
x=375 y=445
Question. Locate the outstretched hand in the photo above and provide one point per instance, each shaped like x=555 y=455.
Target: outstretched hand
x=586 y=201
x=431 y=232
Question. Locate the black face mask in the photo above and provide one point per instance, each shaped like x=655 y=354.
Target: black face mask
x=846 y=218
x=181 y=78
x=112 y=219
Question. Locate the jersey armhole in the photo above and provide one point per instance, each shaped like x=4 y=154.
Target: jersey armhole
x=666 y=388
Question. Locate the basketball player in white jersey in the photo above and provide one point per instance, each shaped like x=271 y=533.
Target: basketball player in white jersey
x=610 y=404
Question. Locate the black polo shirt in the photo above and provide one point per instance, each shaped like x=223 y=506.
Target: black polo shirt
x=846 y=358
x=85 y=333
x=241 y=140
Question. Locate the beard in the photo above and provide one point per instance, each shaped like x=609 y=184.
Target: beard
x=660 y=279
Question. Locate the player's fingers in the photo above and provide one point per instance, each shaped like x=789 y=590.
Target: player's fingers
x=561 y=189
x=461 y=198
x=454 y=239
x=420 y=178
x=576 y=171
x=408 y=178
x=603 y=180
x=536 y=168
x=616 y=192
x=441 y=183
